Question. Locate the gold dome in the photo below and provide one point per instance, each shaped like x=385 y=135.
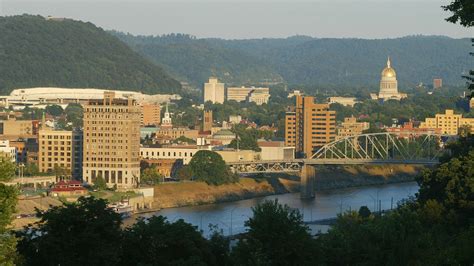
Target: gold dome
x=388 y=72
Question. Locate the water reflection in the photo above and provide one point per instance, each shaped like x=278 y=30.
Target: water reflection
x=230 y=217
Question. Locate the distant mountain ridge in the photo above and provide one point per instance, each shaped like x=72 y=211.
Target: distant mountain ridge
x=37 y=52
x=303 y=60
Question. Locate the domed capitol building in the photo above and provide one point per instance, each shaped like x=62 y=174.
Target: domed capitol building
x=388 y=85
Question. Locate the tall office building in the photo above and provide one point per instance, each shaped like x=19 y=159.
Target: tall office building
x=207 y=121
x=309 y=126
x=112 y=141
x=60 y=150
x=151 y=115
x=214 y=91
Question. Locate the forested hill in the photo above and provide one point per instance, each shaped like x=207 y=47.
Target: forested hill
x=309 y=61
x=195 y=60
x=35 y=51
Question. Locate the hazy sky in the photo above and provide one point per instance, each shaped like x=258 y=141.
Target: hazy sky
x=233 y=19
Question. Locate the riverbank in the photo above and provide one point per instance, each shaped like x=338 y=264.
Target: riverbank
x=173 y=195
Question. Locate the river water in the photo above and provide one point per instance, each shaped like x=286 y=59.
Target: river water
x=230 y=216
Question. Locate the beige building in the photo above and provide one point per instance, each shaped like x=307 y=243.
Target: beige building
x=259 y=97
x=232 y=155
x=151 y=114
x=60 y=149
x=346 y=101
x=174 y=133
x=248 y=94
x=8 y=151
x=184 y=153
x=350 y=127
x=309 y=126
x=275 y=150
x=449 y=122
x=112 y=141
x=214 y=91
x=16 y=128
x=389 y=85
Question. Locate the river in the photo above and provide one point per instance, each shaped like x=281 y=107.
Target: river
x=230 y=216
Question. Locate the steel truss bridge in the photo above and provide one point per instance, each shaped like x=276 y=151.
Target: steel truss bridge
x=374 y=148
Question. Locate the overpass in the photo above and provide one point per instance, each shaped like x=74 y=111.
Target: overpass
x=365 y=149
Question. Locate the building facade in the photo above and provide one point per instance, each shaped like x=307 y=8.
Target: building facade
x=112 y=141
x=60 y=150
x=309 y=126
x=389 y=85
x=248 y=94
x=437 y=83
x=151 y=114
x=449 y=122
x=184 y=153
x=8 y=151
x=214 y=91
x=346 y=101
x=17 y=128
x=207 y=121
x=350 y=127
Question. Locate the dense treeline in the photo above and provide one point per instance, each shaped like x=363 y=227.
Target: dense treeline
x=37 y=52
x=195 y=60
x=302 y=60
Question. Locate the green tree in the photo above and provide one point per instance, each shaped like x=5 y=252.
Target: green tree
x=209 y=167
x=246 y=138
x=61 y=172
x=150 y=176
x=8 y=199
x=276 y=235
x=82 y=233
x=452 y=185
x=364 y=212
x=462 y=11
x=31 y=169
x=54 y=110
x=156 y=241
x=99 y=183
x=184 y=173
x=74 y=114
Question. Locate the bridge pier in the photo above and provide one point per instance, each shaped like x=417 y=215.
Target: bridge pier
x=307 y=175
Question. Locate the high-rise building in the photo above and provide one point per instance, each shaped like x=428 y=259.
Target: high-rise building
x=449 y=122
x=112 y=141
x=389 y=85
x=207 y=121
x=151 y=114
x=214 y=91
x=437 y=83
x=60 y=150
x=309 y=126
